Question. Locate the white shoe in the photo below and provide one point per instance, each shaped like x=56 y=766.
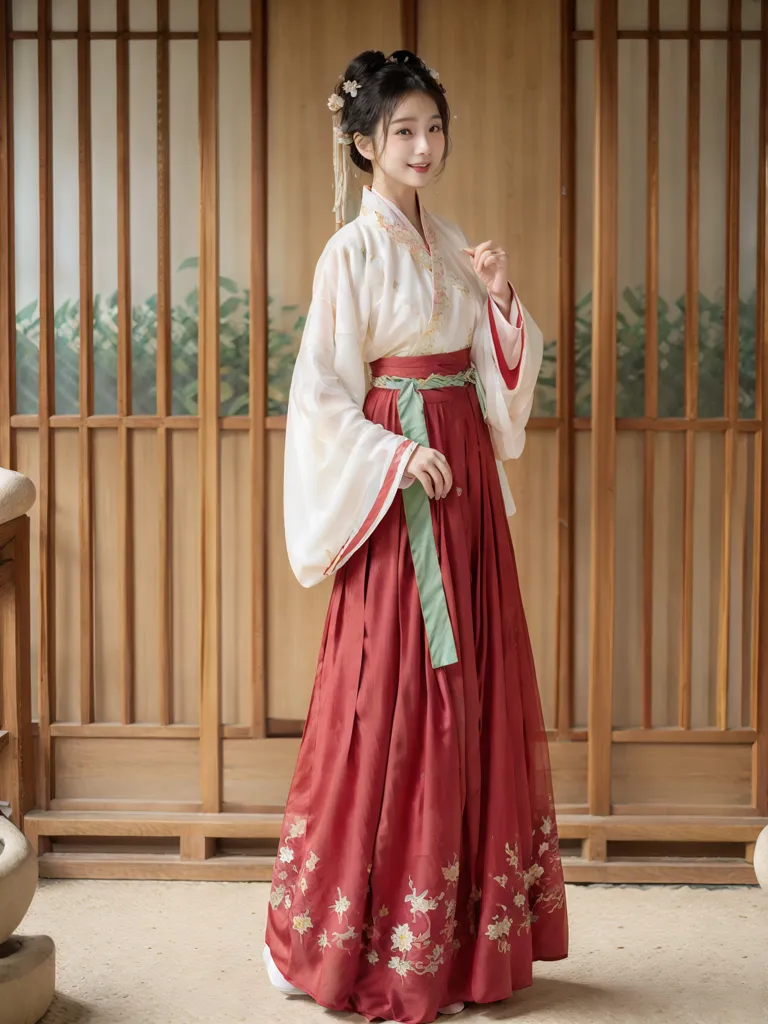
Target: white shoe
x=276 y=977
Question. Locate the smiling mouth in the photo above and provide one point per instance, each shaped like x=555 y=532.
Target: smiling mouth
x=420 y=167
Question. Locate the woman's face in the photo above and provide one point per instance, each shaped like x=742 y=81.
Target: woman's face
x=412 y=151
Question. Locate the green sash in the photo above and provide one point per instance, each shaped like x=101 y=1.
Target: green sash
x=418 y=515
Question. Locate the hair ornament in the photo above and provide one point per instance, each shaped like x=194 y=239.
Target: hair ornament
x=342 y=136
x=335 y=102
x=352 y=88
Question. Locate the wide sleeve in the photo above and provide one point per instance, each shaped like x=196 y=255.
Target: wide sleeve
x=507 y=355
x=342 y=471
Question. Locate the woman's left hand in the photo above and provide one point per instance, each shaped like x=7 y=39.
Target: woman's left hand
x=491 y=264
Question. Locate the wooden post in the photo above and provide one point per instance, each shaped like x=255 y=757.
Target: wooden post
x=603 y=408
x=85 y=505
x=258 y=382
x=565 y=377
x=124 y=375
x=691 y=355
x=651 y=356
x=163 y=368
x=7 y=313
x=733 y=185
x=409 y=25
x=47 y=617
x=15 y=685
x=208 y=363
x=759 y=716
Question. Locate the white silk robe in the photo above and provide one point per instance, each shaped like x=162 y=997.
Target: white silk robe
x=378 y=292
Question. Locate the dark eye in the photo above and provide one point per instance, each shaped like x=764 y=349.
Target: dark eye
x=400 y=132
x=436 y=127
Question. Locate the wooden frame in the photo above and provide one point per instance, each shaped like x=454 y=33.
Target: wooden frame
x=17 y=768
x=598 y=813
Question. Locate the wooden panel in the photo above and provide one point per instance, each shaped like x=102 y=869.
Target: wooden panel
x=290 y=665
x=583 y=546
x=696 y=775
x=300 y=197
x=236 y=593
x=628 y=626
x=127 y=769
x=67 y=574
x=185 y=575
x=106 y=618
x=145 y=542
x=257 y=773
x=518 y=203
x=533 y=479
x=569 y=772
x=28 y=463
x=742 y=565
x=667 y=576
x=707 y=567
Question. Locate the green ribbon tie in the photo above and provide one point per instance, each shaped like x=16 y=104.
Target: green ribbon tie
x=418 y=514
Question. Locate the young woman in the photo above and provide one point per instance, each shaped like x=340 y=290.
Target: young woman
x=418 y=867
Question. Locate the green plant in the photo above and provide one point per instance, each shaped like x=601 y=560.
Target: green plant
x=630 y=355
x=285 y=326
x=234 y=327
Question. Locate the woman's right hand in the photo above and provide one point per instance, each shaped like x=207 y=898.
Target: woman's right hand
x=431 y=469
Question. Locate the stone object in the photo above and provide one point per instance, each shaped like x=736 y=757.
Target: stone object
x=761 y=859
x=27 y=963
x=18 y=878
x=17 y=495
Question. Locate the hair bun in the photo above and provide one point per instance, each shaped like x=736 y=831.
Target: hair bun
x=366 y=63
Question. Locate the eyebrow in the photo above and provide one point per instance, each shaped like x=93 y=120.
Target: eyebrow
x=399 y=120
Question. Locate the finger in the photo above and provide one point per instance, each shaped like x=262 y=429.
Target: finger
x=437 y=480
x=426 y=482
x=446 y=477
x=487 y=261
x=480 y=249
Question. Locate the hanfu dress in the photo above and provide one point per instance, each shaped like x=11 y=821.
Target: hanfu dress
x=418 y=863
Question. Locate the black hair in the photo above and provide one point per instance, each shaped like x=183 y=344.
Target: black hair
x=384 y=82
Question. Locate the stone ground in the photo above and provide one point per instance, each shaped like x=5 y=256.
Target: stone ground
x=167 y=952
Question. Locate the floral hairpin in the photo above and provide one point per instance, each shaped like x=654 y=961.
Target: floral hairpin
x=352 y=88
x=342 y=136
x=335 y=102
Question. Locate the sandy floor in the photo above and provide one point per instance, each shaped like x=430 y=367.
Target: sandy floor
x=160 y=953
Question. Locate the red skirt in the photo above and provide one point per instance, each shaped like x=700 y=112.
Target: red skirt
x=419 y=861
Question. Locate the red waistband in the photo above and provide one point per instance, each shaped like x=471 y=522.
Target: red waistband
x=422 y=366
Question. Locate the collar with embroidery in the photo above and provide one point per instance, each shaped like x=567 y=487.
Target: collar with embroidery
x=392 y=218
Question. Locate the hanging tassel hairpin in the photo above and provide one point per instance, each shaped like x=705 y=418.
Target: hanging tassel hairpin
x=341 y=140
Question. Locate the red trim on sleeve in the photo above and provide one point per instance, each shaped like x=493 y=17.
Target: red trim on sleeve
x=370 y=519
x=511 y=377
